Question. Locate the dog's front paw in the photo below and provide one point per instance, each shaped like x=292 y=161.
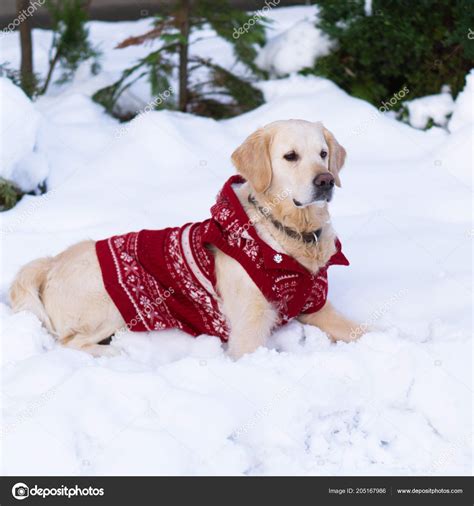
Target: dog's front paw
x=236 y=351
x=101 y=350
x=351 y=333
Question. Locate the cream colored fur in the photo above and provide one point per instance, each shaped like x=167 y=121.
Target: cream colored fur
x=67 y=293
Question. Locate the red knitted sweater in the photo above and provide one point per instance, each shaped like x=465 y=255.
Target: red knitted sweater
x=161 y=279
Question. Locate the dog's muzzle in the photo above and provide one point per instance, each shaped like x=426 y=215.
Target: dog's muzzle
x=323 y=186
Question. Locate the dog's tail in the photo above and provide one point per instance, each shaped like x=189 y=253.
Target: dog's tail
x=25 y=292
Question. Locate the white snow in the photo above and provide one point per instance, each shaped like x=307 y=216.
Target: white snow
x=368 y=7
x=437 y=108
x=463 y=107
x=19 y=122
x=396 y=402
x=295 y=48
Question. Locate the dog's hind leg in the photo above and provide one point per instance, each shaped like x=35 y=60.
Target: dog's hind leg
x=89 y=342
x=96 y=350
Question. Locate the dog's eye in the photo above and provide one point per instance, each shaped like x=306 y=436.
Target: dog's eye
x=323 y=154
x=291 y=156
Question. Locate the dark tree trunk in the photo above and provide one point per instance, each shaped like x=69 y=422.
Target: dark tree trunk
x=52 y=65
x=26 y=66
x=184 y=13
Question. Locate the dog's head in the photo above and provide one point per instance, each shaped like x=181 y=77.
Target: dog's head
x=294 y=157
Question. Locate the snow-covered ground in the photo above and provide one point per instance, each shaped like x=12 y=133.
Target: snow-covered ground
x=398 y=401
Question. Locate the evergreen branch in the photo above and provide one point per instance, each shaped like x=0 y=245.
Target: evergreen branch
x=140 y=39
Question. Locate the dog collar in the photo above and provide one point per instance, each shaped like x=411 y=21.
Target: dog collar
x=306 y=237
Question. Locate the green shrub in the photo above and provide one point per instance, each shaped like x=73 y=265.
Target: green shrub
x=421 y=44
x=10 y=194
x=217 y=91
x=71 y=45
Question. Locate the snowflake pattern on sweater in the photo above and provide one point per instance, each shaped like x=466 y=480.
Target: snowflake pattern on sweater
x=161 y=279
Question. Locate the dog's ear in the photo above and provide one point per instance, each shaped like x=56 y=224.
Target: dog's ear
x=252 y=160
x=337 y=155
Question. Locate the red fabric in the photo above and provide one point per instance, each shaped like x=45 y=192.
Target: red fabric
x=161 y=279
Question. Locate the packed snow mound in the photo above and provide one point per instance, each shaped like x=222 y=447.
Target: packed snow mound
x=31 y=170
x=455 y=156
x=19 y=122
x=442 y=110
x=175 y=405
x=28 y=336
x=436 y=108
x=463 y=114
x=295 y=49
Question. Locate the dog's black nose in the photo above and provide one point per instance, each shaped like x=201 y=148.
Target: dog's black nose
x=324 y=181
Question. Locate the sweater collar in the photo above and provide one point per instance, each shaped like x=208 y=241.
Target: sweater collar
x=232 y=217
x=305 y=237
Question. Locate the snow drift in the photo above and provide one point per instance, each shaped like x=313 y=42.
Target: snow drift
x=19 y=122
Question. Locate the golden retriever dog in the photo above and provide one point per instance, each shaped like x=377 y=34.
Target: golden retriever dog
x=290 y=169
